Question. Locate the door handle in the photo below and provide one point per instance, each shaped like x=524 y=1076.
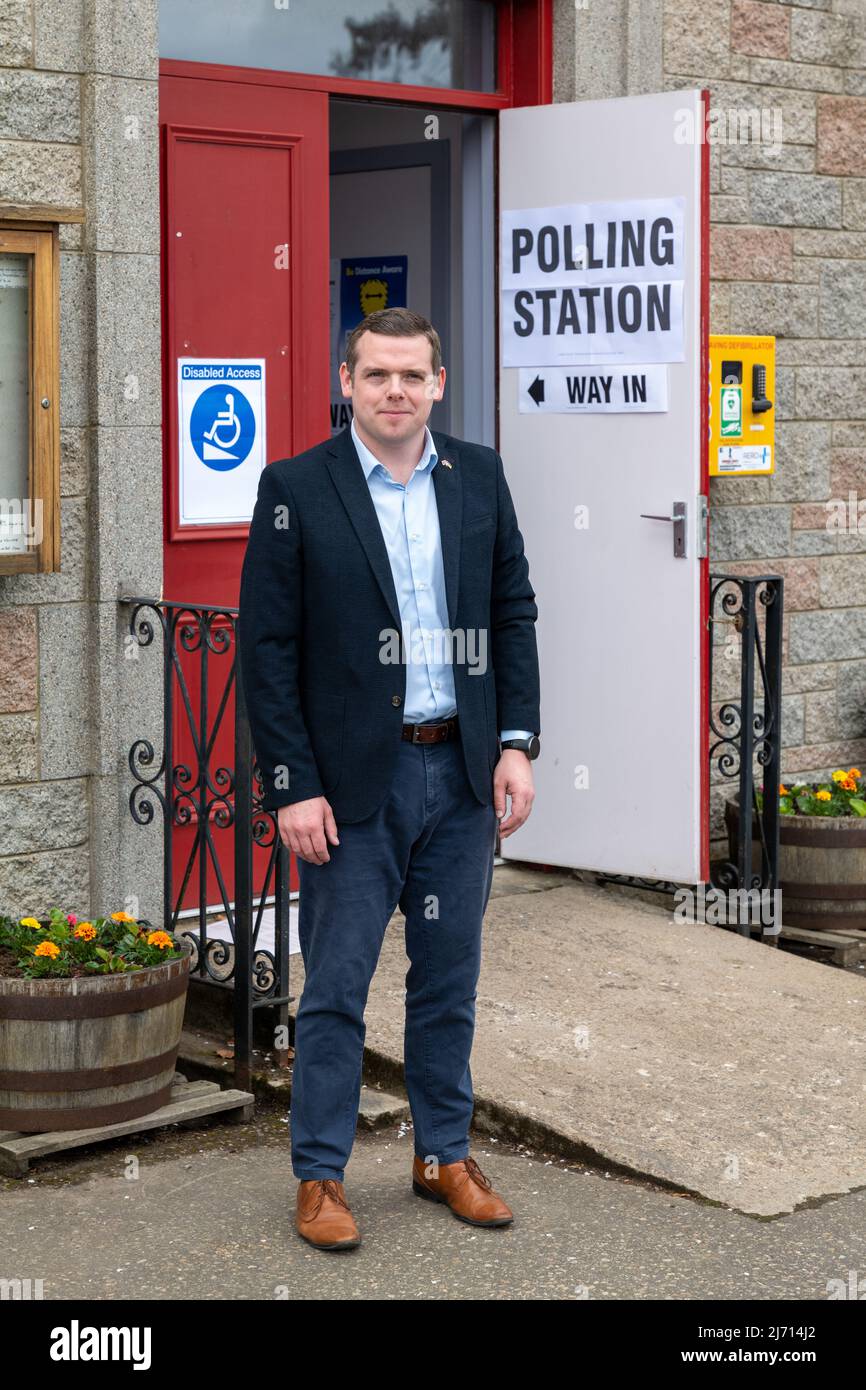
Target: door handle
x=679 y=524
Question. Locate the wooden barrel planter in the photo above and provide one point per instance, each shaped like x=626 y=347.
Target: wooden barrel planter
x=822 y=867
x=86 y=1051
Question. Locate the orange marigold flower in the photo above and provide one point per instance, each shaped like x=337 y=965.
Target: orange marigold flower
x=121 y=917
x=849 y=785
x=159 y=938
x=47 y=948
x=31 y=922
x=854 y=772
x=85 y=931
x=783 y=790
x=823 y=796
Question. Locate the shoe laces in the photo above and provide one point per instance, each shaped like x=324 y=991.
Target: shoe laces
x=475 y=1172
x=329 y=1186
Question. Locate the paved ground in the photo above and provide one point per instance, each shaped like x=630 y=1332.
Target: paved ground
x=678 y=1051
x=208 y=1216
x=675 y=1087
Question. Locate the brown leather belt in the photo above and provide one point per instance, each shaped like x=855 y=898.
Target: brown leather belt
x=436 y=732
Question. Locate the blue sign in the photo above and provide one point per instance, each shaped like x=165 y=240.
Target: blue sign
x=222 y=426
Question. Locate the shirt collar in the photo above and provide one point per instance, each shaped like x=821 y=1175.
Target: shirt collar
x=369 y=460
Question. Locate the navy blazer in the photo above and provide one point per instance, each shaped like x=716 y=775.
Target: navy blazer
x=317 y=598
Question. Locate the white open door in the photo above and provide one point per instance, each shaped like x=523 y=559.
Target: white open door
x=603 y=396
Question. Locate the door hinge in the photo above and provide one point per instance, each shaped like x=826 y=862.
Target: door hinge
x=703 y=524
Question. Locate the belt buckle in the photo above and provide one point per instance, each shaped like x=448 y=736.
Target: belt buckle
x=429 y=724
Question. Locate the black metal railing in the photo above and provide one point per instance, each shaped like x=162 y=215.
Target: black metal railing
x=748 y=730
x=743 y=731
x=219 y=803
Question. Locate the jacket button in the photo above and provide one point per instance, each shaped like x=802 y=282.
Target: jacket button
x=396 y=699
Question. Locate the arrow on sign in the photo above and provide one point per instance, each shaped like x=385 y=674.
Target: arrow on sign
x=536 y=390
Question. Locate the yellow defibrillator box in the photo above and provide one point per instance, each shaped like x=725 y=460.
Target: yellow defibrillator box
x=742 y=404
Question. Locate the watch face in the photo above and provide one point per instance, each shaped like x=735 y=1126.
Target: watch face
x=534 y=746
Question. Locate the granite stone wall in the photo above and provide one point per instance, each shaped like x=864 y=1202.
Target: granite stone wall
x=78 y=128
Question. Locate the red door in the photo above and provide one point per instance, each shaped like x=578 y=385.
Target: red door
x=244 y=275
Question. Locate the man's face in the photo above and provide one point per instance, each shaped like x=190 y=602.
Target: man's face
x=393 y=388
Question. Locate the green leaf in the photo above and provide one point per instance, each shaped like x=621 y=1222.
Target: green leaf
x=857 y=806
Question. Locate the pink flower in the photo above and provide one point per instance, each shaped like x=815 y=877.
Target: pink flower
x=71 y=919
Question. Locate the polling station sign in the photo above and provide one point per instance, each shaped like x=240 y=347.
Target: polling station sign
x=221 y=420
x=593 y=283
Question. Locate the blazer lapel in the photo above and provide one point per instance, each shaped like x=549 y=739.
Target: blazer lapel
x=448 y=486
x=345 y=469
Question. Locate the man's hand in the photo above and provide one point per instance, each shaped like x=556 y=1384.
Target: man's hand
x=513 y=775
x=303 y=826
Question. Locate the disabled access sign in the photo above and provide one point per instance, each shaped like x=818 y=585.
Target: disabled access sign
x=221 y=417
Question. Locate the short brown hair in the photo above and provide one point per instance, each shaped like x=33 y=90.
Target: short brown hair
x=395 y=323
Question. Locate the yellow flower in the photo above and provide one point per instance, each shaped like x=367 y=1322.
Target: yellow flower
x=854 y=772
x=783 y=790
x=823 y=796
x=85 y=931
x=31 y=922
x=47 y=948
x=839 y=775
x=159 y=938
x=121 y=917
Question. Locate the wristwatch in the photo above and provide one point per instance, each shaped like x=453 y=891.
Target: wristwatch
x=530 y=746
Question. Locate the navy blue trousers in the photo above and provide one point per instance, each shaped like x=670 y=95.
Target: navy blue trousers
x=429 y=848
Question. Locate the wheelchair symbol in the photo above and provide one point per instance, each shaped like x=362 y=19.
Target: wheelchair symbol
x=227 y=418
x=222 y=428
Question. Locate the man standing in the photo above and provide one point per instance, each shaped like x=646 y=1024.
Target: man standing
x=387 y=646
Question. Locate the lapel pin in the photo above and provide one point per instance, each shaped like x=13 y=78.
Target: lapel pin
x=446 y=464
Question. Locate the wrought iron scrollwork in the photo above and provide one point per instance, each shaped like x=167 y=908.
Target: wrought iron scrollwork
x=748 y=732
x=207 y=797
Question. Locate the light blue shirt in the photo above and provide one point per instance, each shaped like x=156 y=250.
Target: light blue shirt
x=409 y=520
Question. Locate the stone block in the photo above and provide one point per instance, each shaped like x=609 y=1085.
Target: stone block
x=16 y=34
x=795 y=200
x=760 y=29
x=746 y=533
x=830 y=635
x=44 y=816
x=697 y=36
x=802 y=463
x=19 y=749
x=39 y=106
x=783 y=310
x=766 y=251
x=20 y=664
x=841 y=145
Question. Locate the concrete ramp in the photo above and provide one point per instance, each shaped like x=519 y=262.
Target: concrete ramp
x=685 y=1053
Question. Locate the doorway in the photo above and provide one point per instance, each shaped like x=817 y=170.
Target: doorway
x=329 y=205
x=412 y=224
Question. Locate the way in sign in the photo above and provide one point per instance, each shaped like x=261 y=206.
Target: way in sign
x=584 y=390
x=564 y=390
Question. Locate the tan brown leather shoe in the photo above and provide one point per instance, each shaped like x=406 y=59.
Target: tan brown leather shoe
x=323 y=1217
x=465 y=1189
